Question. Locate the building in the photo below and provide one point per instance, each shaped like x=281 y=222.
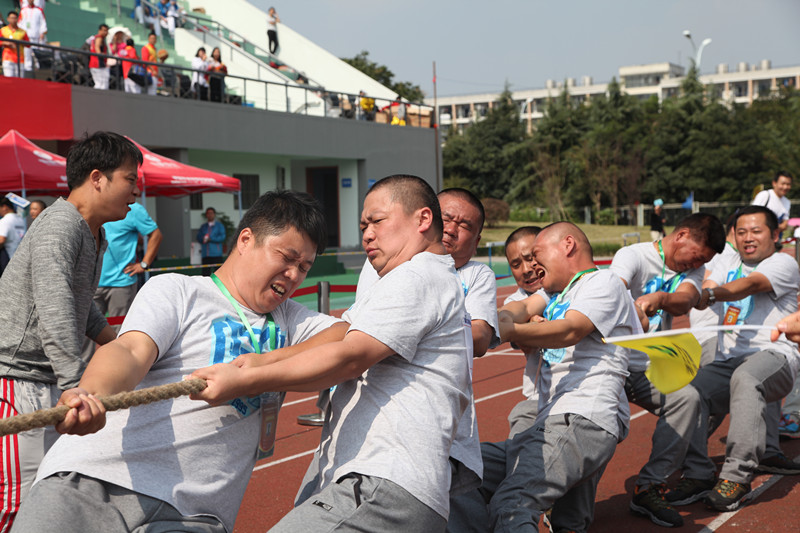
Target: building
x=743 y=85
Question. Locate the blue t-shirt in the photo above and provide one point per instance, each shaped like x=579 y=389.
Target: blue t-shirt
x=122 y=236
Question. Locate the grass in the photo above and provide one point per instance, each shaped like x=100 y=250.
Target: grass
x=595 y=232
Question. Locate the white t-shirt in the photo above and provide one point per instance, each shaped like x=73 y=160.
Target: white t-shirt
x=531 y=359
x=32 y=20
x=272 y=22
x=588 y=378
x=193 y=456
x=13 y=228
x=779 y=206
x=642 y=267
x=397 y=421
x=764 y=308
x=712 y=315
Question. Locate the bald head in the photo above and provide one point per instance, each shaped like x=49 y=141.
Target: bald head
x=560 y=251
x=558 y=231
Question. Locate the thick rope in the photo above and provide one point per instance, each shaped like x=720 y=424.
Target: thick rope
x=115 y=402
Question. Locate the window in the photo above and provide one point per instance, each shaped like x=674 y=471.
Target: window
x=250 y=192
x=196 y=201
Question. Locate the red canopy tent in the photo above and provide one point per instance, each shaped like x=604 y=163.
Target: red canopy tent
x=29 y=169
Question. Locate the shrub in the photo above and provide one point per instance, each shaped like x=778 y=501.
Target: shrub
x=606 y=217
x=496 y=211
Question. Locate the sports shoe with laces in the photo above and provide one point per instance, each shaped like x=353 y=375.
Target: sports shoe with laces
x=689 y=490
x=727 y=495
x=649 y=501
x=779 y=464
x=788 y=426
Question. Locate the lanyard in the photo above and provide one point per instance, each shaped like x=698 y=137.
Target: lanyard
x=550 y=309
x=238 y=308
x=675 y=280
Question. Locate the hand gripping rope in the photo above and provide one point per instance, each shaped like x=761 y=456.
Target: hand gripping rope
x=115 y=402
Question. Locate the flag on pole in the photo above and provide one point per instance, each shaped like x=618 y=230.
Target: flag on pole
x=674 y=354
x=689 y=201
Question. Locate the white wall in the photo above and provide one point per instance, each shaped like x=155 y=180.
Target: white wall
x=295 y=50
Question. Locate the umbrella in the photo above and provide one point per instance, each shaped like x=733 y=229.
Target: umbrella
x=29 y=169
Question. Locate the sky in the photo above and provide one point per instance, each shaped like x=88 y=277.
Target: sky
x=479 y=46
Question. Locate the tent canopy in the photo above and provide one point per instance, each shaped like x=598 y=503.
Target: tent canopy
x=29 y=169
x=162 y=176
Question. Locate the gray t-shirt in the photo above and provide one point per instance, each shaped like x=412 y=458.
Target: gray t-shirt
x=587 y=379
x=397 y=421
x=46 y=294
x=711 y=315
x=763 y=308
x=642 y=267
x=193 y=456
x=531 y=359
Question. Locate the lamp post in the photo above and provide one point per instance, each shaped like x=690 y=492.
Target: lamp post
x=697 y=51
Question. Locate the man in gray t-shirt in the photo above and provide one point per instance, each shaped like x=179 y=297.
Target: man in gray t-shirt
x=182 y=461
x=46 y=307
x=402 y=379
x=664 y=278
x=582 y=409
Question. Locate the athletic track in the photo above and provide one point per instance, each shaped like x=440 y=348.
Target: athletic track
x=497 y=386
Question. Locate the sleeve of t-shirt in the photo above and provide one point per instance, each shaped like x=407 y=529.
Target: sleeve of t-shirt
x=158 y=311
x=781 y=271
x=399 y=310
x=603 y=300
x=721 y=268
x=761 y=198
x=300 y=322
x=481 y=301
x=625 y=264
x=145 y=225
x=694 y=277
x=5 y=226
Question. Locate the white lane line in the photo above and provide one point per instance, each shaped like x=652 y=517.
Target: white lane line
x=285 y=459
x=495 y=395
x=301 y=400
x=724 y=517
x=640 y=413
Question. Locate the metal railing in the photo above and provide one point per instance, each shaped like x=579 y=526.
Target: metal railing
x=71 y=65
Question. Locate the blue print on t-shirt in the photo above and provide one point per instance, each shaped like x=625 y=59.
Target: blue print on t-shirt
x=556 y=312
x=745 y=304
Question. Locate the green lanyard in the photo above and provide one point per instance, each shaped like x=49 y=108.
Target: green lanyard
x=238 y=308
x=557 y=300
x=672 y=285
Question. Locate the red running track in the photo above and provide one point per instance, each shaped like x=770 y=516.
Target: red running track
x=497 y=385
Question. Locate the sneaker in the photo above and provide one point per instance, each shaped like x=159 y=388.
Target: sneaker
x=315 y=419
x=788 y=427
x=727 y=495
x=649 y=501
x=689 y=490
x=779 y=464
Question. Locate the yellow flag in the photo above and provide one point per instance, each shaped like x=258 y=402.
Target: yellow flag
x=674 y=358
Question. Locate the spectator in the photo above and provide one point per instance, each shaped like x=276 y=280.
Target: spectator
x=211 y=236
x=31 y=19
x=12 y=229
x=149 y=54
x=145 y=17
x=657 y=220
x=272 y=30
x=367 y=106
x=776 y=201
x=135 y=79
x=176 y=12
x=36 y=208
x=12 y=66
x=97 y=65
x=167 y=74
x=117 y=48
x=216 y=78
x=199 y=79
x=399 y=108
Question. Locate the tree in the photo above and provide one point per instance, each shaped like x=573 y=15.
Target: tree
x=385 y=77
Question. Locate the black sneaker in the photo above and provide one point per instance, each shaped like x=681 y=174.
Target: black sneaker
x=689 y=490
x=727 y=495
x=649 y=501
x=779 y=464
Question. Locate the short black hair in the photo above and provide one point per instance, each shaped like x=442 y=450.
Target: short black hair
x=129 y=42
x=276 y=211
x=7 y=203
x=470 y=198
x=40 y=202
x=705 y=229
x=152 y=34
x=413 y=192
x=524 y=231
x=12 y=12
x=101 y=26
x=104 y=151
x=783 y=173
x=201 y=49
x=769 y=216
x=211 y=209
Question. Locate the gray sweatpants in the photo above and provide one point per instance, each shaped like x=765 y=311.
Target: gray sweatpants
x=73 y=503
x=744 y=387
x=555 y=464
x=678 y=415
x=362 y=503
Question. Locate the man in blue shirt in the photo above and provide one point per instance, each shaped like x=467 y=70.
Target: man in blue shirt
x=118 y=281
x=211 y=235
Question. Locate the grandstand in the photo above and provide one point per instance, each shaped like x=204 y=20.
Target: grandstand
x=284 y=125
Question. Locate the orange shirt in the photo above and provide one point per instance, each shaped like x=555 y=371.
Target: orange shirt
x=9 y=50
x=149 y=54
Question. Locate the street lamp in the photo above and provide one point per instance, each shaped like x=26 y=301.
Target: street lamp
x=698 y=51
